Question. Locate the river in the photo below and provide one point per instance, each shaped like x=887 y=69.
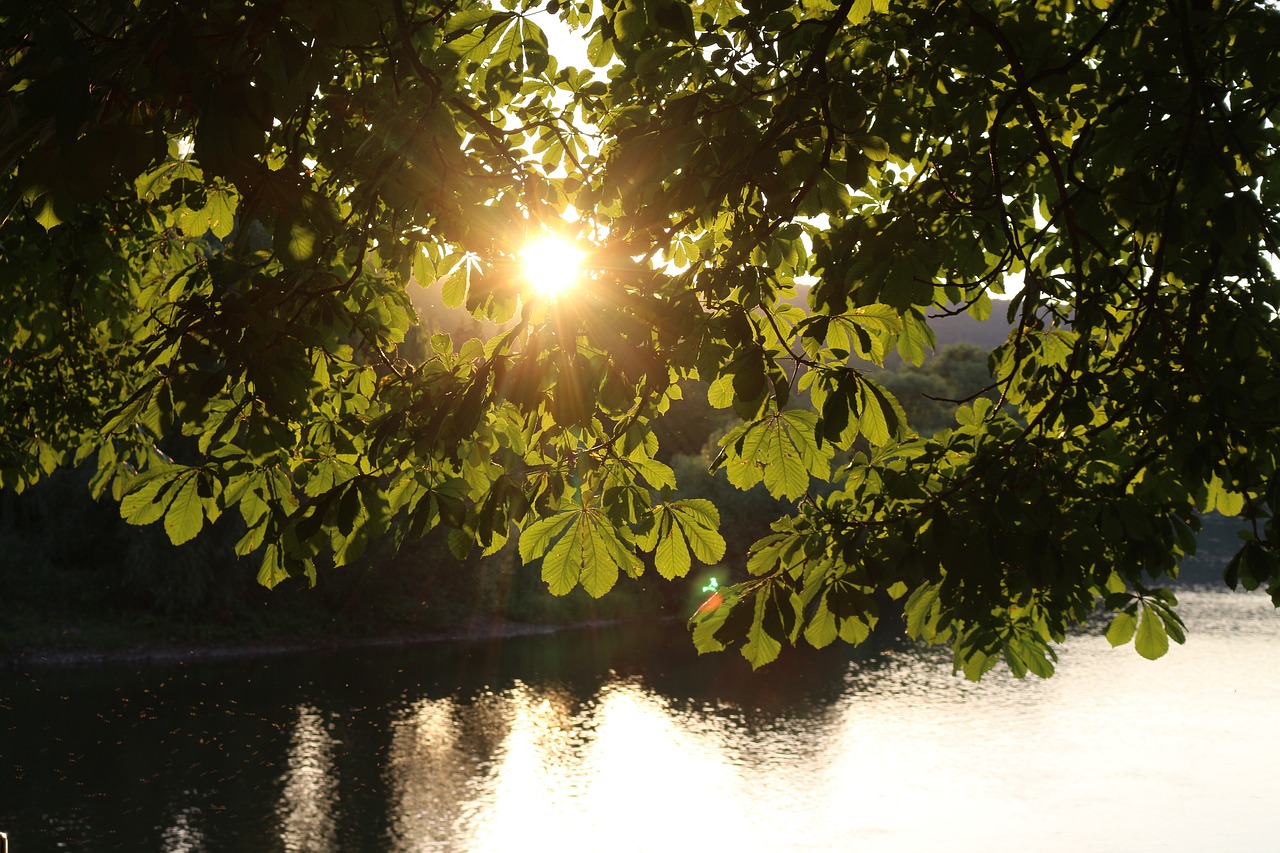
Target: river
x=621 y=739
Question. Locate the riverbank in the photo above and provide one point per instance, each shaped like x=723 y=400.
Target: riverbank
x=63 y=621
x=172 y=652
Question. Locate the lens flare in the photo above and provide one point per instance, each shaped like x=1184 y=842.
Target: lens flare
x=712 y=604
x=552 y=266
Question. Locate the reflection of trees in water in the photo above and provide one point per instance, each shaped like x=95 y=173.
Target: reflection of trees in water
x=310 y=798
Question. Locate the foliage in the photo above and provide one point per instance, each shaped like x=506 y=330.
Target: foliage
x=929 y=394
x=77 y=576
x=214 y=213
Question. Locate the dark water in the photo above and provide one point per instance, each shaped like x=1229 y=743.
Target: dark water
x=621 y=739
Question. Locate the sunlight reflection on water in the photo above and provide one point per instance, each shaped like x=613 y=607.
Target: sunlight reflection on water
x=615 y=741
x=309 y=798
x=908 y=758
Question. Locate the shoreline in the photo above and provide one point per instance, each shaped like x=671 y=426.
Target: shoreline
x=475 y=631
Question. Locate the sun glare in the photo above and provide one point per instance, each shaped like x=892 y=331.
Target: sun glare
x=552 y=266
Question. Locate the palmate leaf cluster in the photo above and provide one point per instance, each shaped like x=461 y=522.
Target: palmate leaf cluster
x=216 y=212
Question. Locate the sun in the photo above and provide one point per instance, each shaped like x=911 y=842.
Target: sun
x=551 y=265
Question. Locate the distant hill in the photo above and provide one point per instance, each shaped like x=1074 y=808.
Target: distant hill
x=964 y=329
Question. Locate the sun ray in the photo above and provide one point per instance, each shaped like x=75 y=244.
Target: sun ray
x=552 y=266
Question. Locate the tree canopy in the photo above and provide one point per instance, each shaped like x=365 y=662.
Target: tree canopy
x=215 y=214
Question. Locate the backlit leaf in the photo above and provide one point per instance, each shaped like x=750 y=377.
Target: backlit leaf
x=1151 y=639
x=1122 y=628
x=762 y=646
x=185 y=515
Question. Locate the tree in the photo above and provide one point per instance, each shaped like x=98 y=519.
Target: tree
x=215 y=211
x=928 y=394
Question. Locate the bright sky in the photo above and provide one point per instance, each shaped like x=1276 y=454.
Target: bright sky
x=566 y=46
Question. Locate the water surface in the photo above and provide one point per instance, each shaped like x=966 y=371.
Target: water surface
x=622 y=739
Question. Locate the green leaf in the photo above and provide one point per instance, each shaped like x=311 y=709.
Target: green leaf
x=272 y=570
x=922 y=610
x=880 y=419
x=1121 y=629
x=194 y=222
x=1223 y=500
x=774 y=550
x=537 y=538
x=873 y=147
x=148 y=498
x=713 y=615
x=821 y=630
x=916 y=338
x=585 y=547
x=978 y=663
x=720 y=392
x=45 y=212
x=220 y=208
x=1056 y=347
x=454 y=285
x=782 y=450
x=855 y=631
x=1173 y=624
x=296 y=240
x=150 y=186
x=131 y=412
x=185 y=515
x=671 y=558
x=1151 y=641
x=700 y=521
x=562 y=566
x=762 y=646
x=1025 y=655
x=859 y=11
x=657 y=474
